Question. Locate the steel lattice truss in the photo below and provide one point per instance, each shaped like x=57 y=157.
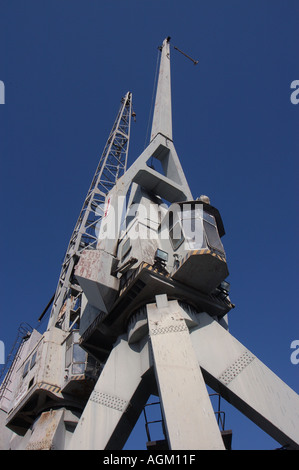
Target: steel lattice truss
x=112 y=165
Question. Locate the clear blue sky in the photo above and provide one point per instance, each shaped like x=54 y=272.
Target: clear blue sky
x=66 y=65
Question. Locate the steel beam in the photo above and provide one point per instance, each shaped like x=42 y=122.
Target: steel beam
x=162 y=119
x=244 y=381
x=116 y=401
x=189 y=417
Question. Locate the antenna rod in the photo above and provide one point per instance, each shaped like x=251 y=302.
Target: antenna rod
x=195 y=62
x=46 y=309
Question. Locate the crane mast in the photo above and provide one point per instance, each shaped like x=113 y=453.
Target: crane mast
x=141 y=309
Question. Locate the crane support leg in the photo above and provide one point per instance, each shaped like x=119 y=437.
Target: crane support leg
x=116 y=401
x=189 y=417
x=176 y=352
x=244 y=381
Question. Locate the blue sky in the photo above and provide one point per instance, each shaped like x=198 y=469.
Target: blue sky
x=66 y=65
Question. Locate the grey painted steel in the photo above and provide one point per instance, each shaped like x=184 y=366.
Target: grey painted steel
x=189 y=417
x=125 y=383
x=112 y=165
x=162 y=121
x=112 y=410
x=144 y=320
x=181 y=344
x=246 y=382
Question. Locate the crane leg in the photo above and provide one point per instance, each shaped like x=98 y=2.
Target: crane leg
x=189 y=417
x=116 y=401
x=245 y=382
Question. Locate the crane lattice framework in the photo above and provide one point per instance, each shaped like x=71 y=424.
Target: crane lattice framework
x=38 y=379
x=149 y=264
x=112 y=165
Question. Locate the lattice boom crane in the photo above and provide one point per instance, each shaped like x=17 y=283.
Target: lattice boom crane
x=141 y=309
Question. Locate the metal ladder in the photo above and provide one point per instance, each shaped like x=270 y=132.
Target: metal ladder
x=24 y=332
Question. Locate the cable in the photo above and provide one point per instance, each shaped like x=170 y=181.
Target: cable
x=195 y=62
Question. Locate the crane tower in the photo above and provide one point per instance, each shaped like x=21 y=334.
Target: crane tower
x=140 y=309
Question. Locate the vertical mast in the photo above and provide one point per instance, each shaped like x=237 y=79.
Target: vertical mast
x=112 y=165
x=162 y=119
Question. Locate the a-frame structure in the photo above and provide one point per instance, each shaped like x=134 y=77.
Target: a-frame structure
x=156 y=311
